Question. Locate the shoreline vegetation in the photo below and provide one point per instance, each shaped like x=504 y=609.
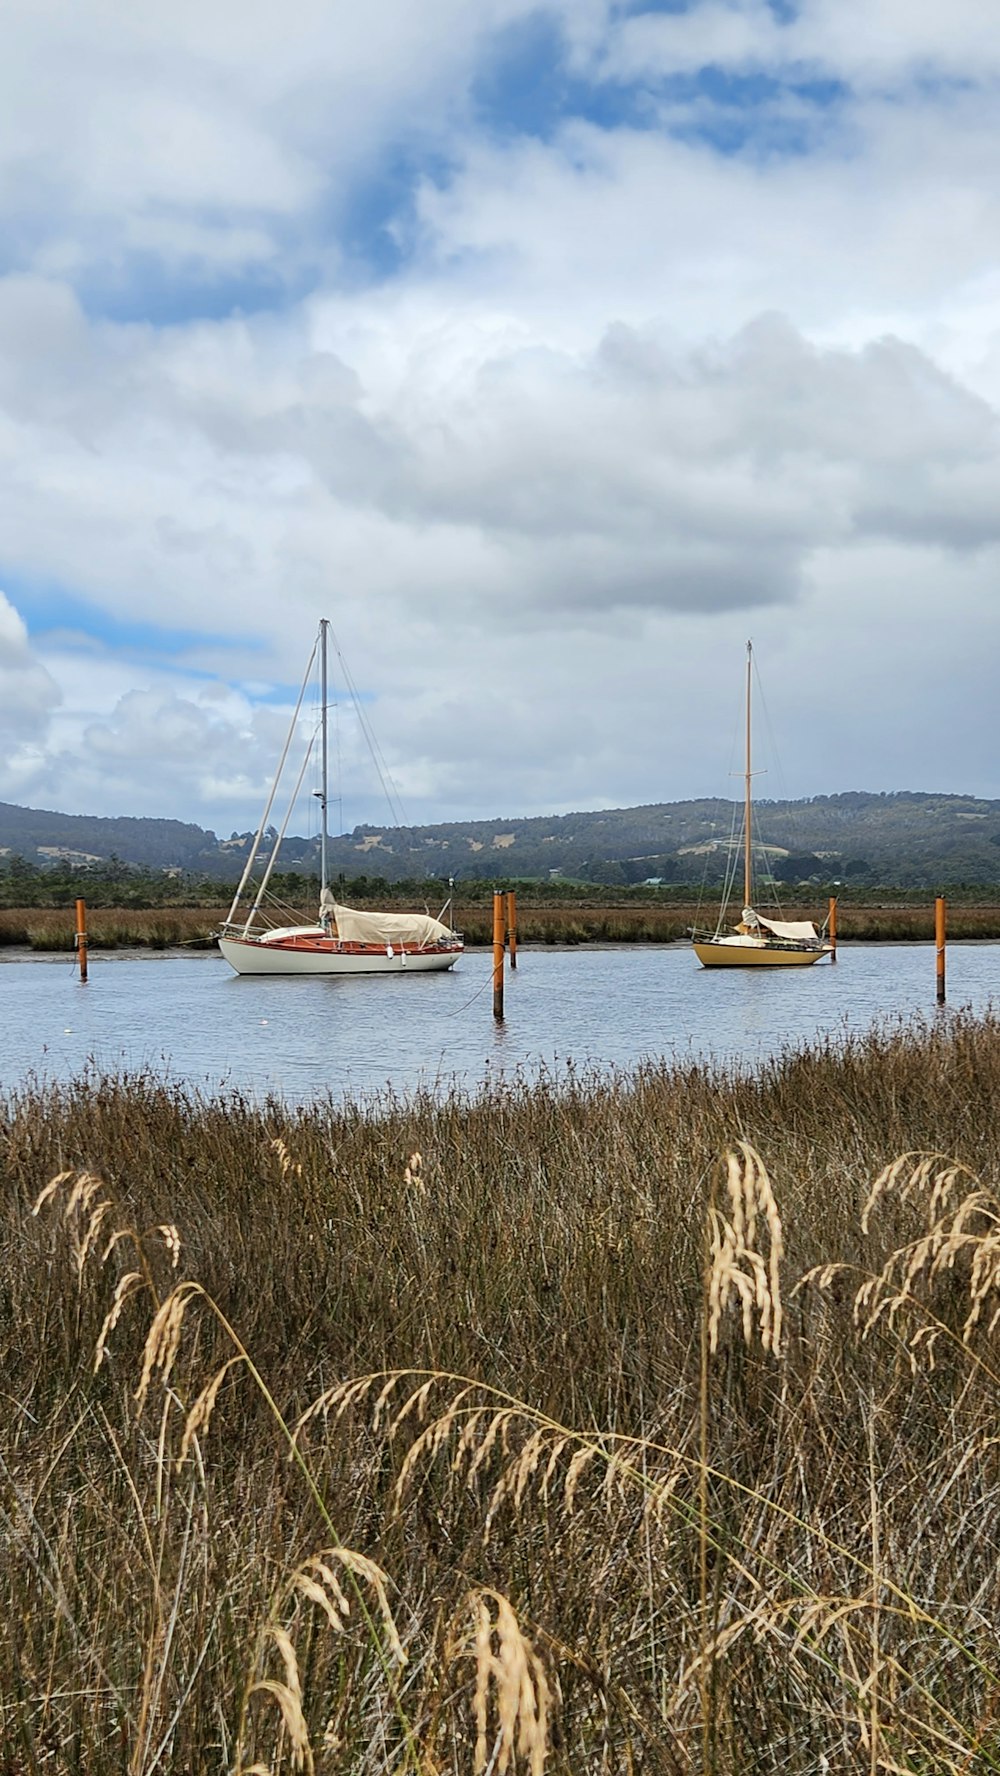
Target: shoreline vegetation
x=637 y=1422
x=194 y=927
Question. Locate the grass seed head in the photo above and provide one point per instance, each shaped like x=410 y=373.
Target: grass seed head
x=126 y=1286
x=324 y=1590
x=293 y=1720
x=172 y=1241
x=164 y=1337
x=289 y=1167
x=737 y=1268
x=363 y=1568
x=200 y=1416
x=510 y=1686
x=957 y=1227
x=49 y=1191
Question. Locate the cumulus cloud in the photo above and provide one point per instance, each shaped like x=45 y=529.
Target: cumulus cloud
x=864 y=42
x=206 y=141
x=28 y=693
x=628 y=388
x=183 y=752
x=640 y=472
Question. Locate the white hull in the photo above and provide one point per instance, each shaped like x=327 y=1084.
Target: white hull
x=249 y=955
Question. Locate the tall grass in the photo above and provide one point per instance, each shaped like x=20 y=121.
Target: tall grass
x=529 y=1433
x=109 y=928
x=170 y=927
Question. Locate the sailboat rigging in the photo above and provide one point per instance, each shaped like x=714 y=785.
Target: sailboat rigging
x=758 y=941
x=342 y=940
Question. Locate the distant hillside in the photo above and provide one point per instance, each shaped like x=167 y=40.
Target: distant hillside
x=908 y=838
x=38 y=833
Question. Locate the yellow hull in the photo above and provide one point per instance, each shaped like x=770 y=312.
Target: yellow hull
x=718 y=953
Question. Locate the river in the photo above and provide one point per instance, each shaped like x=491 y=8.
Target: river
x=189 y=1019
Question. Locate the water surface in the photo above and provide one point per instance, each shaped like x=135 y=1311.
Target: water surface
x=190 y=1018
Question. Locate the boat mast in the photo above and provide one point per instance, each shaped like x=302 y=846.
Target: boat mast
x=323 y=627
x=265 y=817
x=747 y=846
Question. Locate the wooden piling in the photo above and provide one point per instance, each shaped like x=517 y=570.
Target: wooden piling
x=512 y=926
x=81 y=937
x=939 y=943
x=499 y=934
x=831 y=928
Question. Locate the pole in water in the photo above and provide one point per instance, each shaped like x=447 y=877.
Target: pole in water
x=81 y=937
x=512 y=925
x=831 y=928
x=939 y=940
x=499 y=933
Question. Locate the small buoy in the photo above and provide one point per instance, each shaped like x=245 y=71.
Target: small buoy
x=263 y=1020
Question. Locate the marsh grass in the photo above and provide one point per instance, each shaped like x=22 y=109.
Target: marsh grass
x=642 y=1423
x=671 y=921
x=110 y=928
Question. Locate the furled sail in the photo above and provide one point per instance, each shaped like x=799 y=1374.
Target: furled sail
x=795 y=930
x=384 y=928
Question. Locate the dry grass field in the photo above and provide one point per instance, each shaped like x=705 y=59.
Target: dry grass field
x=46 y=928
x=108 y=928
x=556 y=1431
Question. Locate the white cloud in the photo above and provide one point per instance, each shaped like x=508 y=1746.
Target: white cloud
x=869 y=43
x=199 y=133
x=28 y=693
x=629 y=395
x=179 y=749
x=256 y=483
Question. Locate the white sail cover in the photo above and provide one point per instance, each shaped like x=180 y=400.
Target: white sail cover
x=387 y=928
x=795 y=930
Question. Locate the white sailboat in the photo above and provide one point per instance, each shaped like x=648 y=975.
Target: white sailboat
x=343 y=940
x=758 y=941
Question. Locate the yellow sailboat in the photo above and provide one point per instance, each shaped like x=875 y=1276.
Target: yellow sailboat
x=758 y=941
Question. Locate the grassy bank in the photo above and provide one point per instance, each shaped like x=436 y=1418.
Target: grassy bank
x=668 y=924
x=108 y=928
x=113 y=928
x=642 y=1500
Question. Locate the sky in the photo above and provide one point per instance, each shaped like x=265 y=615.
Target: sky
x=550 y=348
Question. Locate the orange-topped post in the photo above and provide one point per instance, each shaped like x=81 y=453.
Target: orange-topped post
x=81 y=937
x=831 y=928
x=940 y=905
x=499 y=935
x=512 y=926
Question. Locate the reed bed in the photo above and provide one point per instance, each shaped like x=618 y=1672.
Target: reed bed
x=109 y=928
x=670 y=923
x=612 y=1424
x=909 y=924
x=195 y=927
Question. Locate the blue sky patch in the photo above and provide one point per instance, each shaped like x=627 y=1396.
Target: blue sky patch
x=49 y=608
x=639 y=8
x=785 y=11
x=376 y=226
x=146 y=288
x=528 y=89
x=740 y=113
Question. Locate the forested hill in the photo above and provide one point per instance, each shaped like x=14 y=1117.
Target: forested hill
x=37 y=833
x=908 y=838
